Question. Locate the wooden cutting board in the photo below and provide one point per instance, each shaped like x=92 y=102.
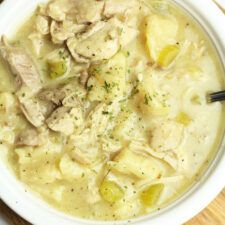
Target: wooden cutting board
x=214 y=214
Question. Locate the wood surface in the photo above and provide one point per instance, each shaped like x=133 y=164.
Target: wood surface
x=214 y=214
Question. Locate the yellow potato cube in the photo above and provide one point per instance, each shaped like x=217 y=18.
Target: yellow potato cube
x=161 y=31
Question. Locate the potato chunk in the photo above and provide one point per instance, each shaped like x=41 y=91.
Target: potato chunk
x=126 y=125
x=141 y=166
x=110 y=191
x=148 y=102
x=150 y=195
x=70 y=169
x=7 y=101
x=108 y=80
x=161 y=32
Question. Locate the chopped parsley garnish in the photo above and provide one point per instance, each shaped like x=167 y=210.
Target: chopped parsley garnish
x=107 y=86
x=97 y=69
x=134 y=92
x=148 y=99
x=62 y=55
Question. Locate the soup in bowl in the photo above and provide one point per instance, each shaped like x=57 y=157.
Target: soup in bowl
x=104 y=111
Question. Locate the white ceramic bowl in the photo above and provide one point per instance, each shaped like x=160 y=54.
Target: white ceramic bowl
x=12 y=14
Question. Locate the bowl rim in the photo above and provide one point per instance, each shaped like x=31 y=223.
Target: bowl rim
x=193 y=201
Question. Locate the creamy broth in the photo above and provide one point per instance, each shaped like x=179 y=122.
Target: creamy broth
x=103 y=108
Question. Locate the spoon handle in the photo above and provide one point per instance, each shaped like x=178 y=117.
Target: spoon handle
x=217 y=96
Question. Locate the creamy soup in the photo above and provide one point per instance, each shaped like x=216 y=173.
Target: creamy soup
x=103 y=107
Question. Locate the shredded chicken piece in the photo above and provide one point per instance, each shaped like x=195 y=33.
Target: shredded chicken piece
x=65 y=120
x=89 y=11
x=61 y=31
x=169 y=156
x=32 y=111
x=108 y=38
x=105 y=45
x=30 y=137
x=84 y=78
x=83 y=12
x=71 y=101
x=21 y=65
x=42 y=25
x=51 y=95
x=37 y=42
x=57 y=9
x=42 y=10
x=56 y=95
x=113 y=7
x=93 y=28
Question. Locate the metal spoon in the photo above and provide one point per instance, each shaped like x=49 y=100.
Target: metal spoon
x=217 y=96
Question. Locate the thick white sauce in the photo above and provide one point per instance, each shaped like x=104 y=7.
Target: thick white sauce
x=150 y=133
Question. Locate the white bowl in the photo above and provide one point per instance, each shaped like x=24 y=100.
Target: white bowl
x=34 y=210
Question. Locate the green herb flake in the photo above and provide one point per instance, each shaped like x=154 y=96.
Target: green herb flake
x=148 y=99
x=97 y=69
x=107 y=86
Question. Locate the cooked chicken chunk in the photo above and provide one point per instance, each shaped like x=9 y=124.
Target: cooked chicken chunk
x=30 y=137
x=107 y=37
x=55 y=95
x=57 y=9
x=21 y=65
x=71 y=101
x=37 y=42
x=42 y=25
x=61 y=31
x=89 y=11
x=51 y=95
x=58 y=94
x=69 y=168
x=106 y=45
x=113 y=7
x=32 y=111
x=92 y=29
x=84 y=78
x=65 y=120
x=83 y=12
